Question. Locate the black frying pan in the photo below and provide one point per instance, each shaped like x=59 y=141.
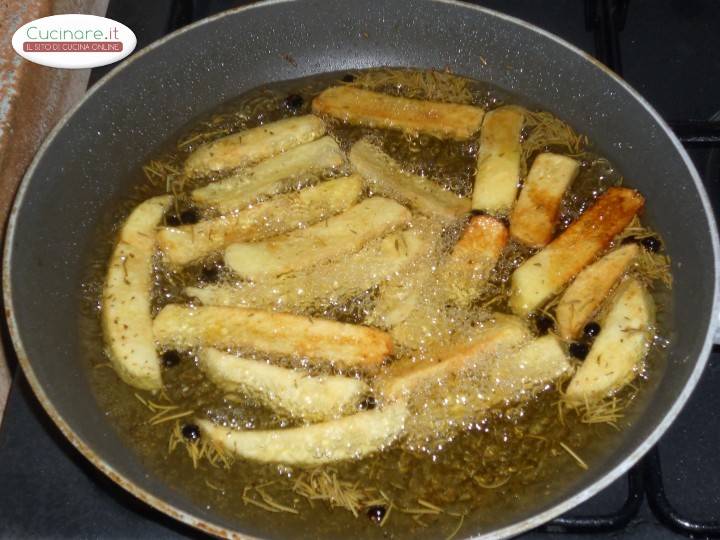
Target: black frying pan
x=87 y=161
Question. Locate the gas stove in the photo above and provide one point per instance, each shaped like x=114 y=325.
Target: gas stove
x=669 y=50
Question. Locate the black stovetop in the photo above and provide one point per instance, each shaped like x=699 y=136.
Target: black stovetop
x=667 y=49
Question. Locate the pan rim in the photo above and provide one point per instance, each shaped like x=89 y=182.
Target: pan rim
x=514 y=529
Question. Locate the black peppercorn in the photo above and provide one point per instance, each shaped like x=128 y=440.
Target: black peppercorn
x=348 y=78
x=376 y=513
x=209 y=274
x=191 y=432
x=368 y=404
x=651 y=243
x=591 y=329
x=189 y=216
x=544 y=324
x=579 y=350
x=170 y=358
x=172 y=220
x=293 y=102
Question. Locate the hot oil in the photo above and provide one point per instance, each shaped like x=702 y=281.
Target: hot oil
x=483 y=473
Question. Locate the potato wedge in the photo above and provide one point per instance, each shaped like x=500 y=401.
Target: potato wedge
x=536 y=212
x=538 y=363
x=467 y=269
x=386 y=177
x=373 y=109
x=546 y=272
x=288 y=391
x=126 y=317
x=619 y=349
x=445 y=400
x=271 y=176
x=321 y=340
x=586 y=293
x=324 y=284
x=340 y=235
x=398 y=296
x=408 y=383
x=350 y=437
x=188 y=243
x=498 y=163
x=419 y=308
x=252 y=145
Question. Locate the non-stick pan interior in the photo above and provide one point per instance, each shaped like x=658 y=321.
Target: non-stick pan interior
x=89 y=159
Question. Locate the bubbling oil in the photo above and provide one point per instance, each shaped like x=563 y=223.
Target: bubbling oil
x=465 y=476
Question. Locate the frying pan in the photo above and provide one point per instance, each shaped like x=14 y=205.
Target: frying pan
x=89 y=158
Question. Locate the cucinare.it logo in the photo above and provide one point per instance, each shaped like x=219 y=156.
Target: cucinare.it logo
x=74 y=41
